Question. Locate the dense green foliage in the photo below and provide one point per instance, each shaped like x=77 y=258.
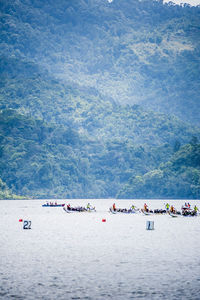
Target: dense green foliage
x=40 y=96
x=137 y=52
x=178 y=178
x=49 y=160
x=5 y=193
x=71 y=76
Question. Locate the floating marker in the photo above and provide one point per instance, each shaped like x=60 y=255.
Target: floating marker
x=27 y=224
x=103 y=220
x=150 y=225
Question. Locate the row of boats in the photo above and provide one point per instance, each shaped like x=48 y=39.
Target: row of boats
x=186 y=210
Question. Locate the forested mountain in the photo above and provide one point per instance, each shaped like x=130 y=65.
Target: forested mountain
x=178 y=178
x=143 y=52
x=38 y=95
x=5 y=193
x=90 y=94
x=51 y=160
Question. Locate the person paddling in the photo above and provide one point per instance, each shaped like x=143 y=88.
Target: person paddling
x=145 y=207
x=172 y=209
x=167 y=206
x=114 y=207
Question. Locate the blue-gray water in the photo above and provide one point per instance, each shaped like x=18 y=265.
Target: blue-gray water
x=77 y=256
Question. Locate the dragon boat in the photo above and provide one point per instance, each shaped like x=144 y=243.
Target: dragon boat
x=123 y=210
x=78 y=209
x=53 y=205
x=147 y=212
x=174 y=214
x=188 y=212
x=156 y=211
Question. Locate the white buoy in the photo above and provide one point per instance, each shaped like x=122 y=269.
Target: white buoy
x=150 y=225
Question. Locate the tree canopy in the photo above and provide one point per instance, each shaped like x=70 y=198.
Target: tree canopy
x=99 y=99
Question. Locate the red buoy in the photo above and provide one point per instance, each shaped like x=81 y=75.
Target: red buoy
x=103 y=220
x=20 y=220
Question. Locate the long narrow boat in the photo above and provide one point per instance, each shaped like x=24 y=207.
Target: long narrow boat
x=147 y=212
x=173 y=215
x=78 y=209
x=53 y=205
x=122 y=210
x=189 y=212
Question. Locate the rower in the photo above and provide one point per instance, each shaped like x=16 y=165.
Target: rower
x=167 y=206
x=114 y=207
x=88 y=206
x=145 y=207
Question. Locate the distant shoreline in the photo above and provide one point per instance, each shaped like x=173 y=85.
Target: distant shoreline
x=91 y=199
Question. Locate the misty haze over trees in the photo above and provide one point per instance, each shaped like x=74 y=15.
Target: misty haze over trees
x=99 y=99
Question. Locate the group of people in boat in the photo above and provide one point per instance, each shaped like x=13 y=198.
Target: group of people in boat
x=185 y=210
x=80 y=208
x=146 y=209
x=133 y=208
x=51 y=203
x=188 y=211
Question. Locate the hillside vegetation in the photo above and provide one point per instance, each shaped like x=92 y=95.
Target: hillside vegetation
x=137 y=52
x=90 y=92
x=178 y=178
x=49 y=160
x=6 y=193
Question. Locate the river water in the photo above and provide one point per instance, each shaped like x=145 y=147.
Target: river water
x=77 y=256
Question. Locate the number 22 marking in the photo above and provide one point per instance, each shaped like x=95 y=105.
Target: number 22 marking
x=27 y=225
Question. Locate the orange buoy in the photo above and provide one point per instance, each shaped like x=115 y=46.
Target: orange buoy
x=20 y=220
x=103 y=220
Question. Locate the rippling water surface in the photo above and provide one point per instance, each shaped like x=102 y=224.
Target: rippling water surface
x=77 y=256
